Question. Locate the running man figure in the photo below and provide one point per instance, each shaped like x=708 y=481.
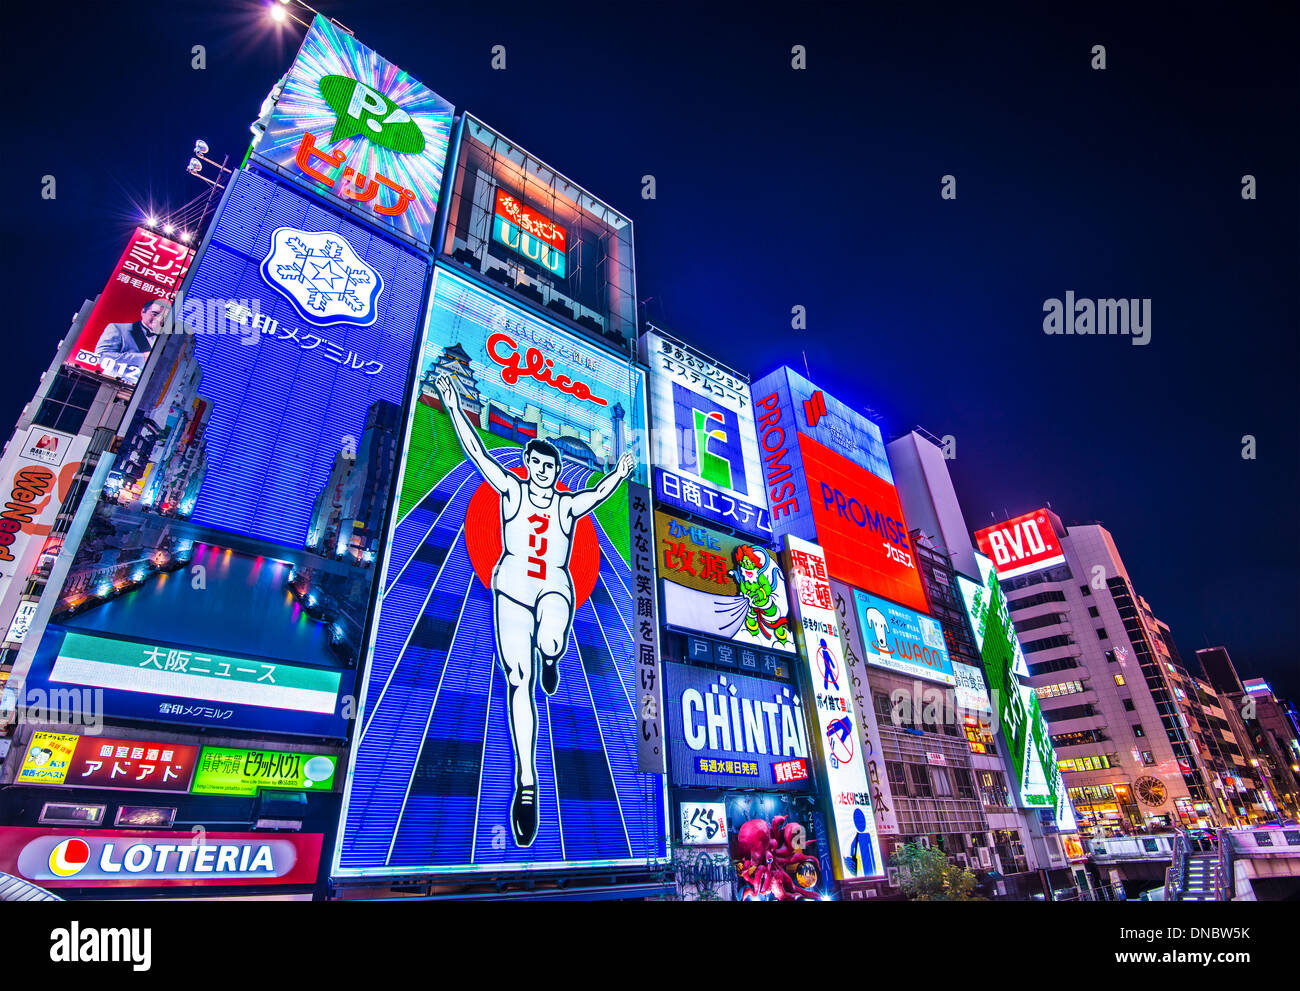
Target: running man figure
x=532 y=593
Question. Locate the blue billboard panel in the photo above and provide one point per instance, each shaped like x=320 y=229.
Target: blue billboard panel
x=243 y=513
x=498 y=723
x=159 y=681
x=902 y=639
x=729 y=730
x=823 y=418
x=707 y=458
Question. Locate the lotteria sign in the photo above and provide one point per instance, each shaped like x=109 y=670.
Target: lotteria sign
x=828 y=479
x=1021 y=545
x=731 y=730
x=87 y=858
x=839 y=737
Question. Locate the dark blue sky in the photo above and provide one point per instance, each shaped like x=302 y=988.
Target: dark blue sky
x=821 y=188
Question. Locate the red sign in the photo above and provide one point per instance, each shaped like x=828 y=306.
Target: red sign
x=860 y=527
x=542 y=228
x=790 y=770
x=1019 y=546
x=126 y=320
x=100 y=762
x=535 y=365
x=93 y=858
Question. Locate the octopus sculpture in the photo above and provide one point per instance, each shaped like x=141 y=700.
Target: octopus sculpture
x=773 y=863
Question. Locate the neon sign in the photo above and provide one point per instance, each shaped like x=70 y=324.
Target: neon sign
x=535 y=237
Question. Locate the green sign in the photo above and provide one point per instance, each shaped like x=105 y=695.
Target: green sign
x=367 y=112
x=228 y=771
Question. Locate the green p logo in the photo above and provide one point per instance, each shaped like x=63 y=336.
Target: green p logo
x=361 y=110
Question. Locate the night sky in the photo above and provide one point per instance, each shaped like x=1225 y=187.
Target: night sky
x=821 y=188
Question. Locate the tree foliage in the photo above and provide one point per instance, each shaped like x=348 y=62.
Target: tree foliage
x=925 y=875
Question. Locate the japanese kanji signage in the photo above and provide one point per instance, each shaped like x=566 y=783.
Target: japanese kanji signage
x=882 y=799
x=707 y=459
x=47 y=759
x=107 y=762
x=830 y=693
x=167 y=683
x=228 y=771
x=352 y=124
x=650 y=742
x=524 y=230
x=723 y=586
x=133 y=309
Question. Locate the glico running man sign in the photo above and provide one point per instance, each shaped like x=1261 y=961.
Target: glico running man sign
x=498 y=725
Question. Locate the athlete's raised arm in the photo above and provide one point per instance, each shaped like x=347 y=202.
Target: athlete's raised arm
x=582 y=503
x=493 y=473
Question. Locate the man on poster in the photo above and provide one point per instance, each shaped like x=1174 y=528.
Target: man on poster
x=532 y=591
x=123 y=348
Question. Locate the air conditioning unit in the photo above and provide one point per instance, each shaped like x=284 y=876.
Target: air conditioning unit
x=986 y=857
x=963 y=860
x=924 y=841
x=891 y=877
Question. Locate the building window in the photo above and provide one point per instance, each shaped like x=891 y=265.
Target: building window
x=1147 y=758
x=66 y=404
x=920 y=781
x=1047 y=643
x=1086 y=590
x=1129 y=706
x=1094 y=612
x=965 y=786
x=1110 y=657
x=1058 y=689
x=940 y=782
x=1119 y=680
x=1097 y=762
x=897 y=777
x=1102 y=634
x=1137 y=730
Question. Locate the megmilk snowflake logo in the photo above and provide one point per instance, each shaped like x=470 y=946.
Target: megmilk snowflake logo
x=323 y=277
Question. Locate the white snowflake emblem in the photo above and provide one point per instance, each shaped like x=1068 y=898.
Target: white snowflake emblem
x=322 y=276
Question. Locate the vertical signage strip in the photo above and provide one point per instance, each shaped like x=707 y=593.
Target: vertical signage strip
x=650 y=744
x=853 y=823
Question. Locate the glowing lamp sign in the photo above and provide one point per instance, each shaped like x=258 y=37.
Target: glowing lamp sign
x=1021 y=545
x=537 y=238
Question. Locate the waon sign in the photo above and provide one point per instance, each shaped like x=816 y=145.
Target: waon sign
x=1021 y=545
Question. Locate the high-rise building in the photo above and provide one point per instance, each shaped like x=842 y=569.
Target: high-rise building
x=1027 y=842
x=1106 y=674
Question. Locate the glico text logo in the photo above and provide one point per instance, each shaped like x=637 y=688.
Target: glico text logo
x=536 y=367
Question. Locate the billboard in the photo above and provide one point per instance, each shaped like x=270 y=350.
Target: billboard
x=233 y=771
x=134 y=308
x=36 y=474
x=854 y=829
x=882 y=798
x=971 y=693
x=251 y=481
x=105 y=762
x=902 y=640
x=706 y=448
x=1021 y=545
x=92 y=858
x=702 y=823
x=723 y=586
x=498 y=724
x=828 y=480
x=734 y=731
x=1032 y=758
x=777 y=846
x=350 y=123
